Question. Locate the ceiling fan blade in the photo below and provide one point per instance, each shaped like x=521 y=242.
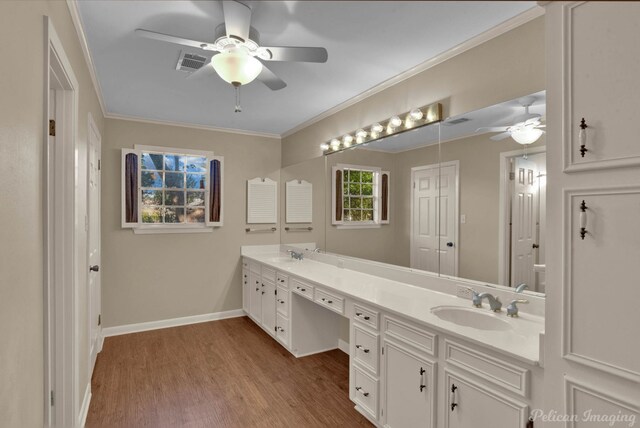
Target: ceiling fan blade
x=172 y=39
x=237 y=19
x=493 y=129
x=205 y=70
x=297 y=54
x=272 y=81
x=501 y=136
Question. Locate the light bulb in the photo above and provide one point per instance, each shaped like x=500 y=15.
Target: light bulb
x=335 y=143
x=415 y=114
x=376 y=128
x=361 y=134
x=236 y=66
x=394 y=122
x=324 y=147
x=526 y=135
x=346 y=140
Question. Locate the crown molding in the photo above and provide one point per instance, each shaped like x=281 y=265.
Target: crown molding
x=77 y=23
x=491 y=33
x=190 y=125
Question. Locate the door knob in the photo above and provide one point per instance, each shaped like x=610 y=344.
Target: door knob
x=94 y=268
x=449 y=244
x=535 y=246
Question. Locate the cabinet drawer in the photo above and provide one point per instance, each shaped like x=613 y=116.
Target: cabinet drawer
x=301 y=288
x=365 y=392
x=282 y=329
x=365 y=316
x=268 y=274
x=491 y=369
x=282 y=301
x=365 y=349
x=416 y=336
x=329 y=300
x=282 y=280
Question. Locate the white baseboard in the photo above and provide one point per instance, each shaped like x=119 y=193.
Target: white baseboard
x=84 y=410
x=343 y=346
x=174 y=322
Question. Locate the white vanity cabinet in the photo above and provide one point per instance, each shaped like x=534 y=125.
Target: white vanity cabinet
x=246 y=287
x=364 y=353
x=283 y=326
x=261 y=295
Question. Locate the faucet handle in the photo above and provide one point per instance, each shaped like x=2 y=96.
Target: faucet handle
x=475 y=297
x=512 y=309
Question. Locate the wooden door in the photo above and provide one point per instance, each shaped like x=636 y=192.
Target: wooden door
x=93 y=245
x=408 y=388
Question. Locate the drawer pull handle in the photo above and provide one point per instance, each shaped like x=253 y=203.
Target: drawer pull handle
x=453 y=397
x=263 y=292
x=422 y=380
x=359 y=314
x=301 y=289
x=582 y=137
x=280 y=329
x=257 y=289
x=583 y=220
x=281 y=301
x=328 y=301
x=365 y=350
x=359 y=389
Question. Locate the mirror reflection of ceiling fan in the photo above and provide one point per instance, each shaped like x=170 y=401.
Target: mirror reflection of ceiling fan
x=526 y=128
x=238 y=56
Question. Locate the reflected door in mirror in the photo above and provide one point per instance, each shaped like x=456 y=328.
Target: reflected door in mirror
x=448 y=220
x=424 y=239
x=524 y=223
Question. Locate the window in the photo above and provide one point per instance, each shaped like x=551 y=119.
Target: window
x=171 y=189
x=360 y=196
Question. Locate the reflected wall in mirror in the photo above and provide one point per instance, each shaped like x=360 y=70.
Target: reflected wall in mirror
x=466 y=199
x=295 y=229
x=493 y=194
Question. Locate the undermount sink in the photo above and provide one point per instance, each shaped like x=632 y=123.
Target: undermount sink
x=282 y=259
x=471 y=317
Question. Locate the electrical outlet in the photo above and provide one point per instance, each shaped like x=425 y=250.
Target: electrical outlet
x=464 y=292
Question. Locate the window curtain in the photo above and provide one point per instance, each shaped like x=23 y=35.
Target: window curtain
x=215 y=183
x=338 y=195
x=131 y=188
x=385 y=198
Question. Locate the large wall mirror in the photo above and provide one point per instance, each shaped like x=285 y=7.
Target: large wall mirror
x=466 y=197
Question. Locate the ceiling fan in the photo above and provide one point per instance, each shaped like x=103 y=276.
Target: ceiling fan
x=526 y=128
x=239 y=58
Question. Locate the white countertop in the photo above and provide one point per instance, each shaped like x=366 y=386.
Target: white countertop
x=521 y=342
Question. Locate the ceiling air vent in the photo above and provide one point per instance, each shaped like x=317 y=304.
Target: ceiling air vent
x=457 y=121
x=190 y=61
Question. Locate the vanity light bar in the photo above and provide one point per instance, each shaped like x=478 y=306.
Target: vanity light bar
x=415 y=118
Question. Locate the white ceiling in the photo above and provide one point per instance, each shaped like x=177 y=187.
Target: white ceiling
x=368 y=42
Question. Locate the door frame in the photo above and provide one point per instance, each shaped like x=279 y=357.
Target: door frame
x=60 y=396
x=416 y=169
x=504 y=238
x=97 y=346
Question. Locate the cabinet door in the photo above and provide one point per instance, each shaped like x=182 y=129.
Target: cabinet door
x=408 y=388
x=246 y=290
x=268 y=306
x=470 y=405
x=255 y=299
x=601 y=75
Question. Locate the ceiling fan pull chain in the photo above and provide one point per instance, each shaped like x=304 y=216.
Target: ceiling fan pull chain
x=238 y=108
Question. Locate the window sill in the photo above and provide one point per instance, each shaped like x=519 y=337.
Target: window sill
x=160 y=230
x=358 y=226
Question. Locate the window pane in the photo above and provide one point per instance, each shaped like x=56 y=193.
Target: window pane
x=195 y=181
x=345 y=215
x=354 y=176
x=173 y=197
x=367 y=215
x=196 y=164
x=367 y=177
x=195 y=215
x=195 y=199
x=355 y=215
x=354 y=189
x=355 y=203
x=152 y=215
x=367 y=189
x=151 y=161
x=367 y=203
x=152 y=197
x=174 y=215
x=174 y=162
x=151 y=179
x=174 y=180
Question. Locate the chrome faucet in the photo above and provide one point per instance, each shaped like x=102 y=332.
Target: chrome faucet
x=494 y=302
x=297 y=256
x=520 y=288
x=475 y=297
x=512 y=309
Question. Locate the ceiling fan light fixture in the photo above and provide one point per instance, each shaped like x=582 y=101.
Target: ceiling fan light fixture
x=236 y=66
x=526 y=135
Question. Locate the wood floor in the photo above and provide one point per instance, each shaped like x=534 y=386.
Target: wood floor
x=227 y=373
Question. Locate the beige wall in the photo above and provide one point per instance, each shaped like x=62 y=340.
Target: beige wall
x=501 y=69
x=21 y=164
x=163 y=276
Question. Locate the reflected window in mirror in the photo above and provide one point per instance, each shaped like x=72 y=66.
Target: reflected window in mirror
x=360 y=196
